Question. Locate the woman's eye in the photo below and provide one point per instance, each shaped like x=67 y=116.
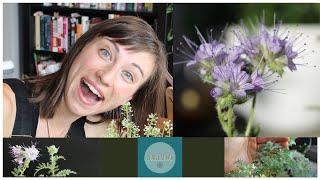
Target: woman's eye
x=106 y=54
x=128 y=75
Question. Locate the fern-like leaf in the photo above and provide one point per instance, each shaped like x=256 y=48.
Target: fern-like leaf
x=65 y=172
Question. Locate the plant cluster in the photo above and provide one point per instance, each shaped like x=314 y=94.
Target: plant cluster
x=240 y=72
x=132 y=130
x=23 y=155
x=275 y=161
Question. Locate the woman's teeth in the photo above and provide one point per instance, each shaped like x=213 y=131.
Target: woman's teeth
x=92 y=89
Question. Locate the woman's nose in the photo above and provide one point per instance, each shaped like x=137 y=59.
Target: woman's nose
x=107 y=75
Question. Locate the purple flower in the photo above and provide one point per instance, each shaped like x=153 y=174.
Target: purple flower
x=209 y=51
x=257 y=81
x=223 y=73
x=275 y=44
x=31 y=153
x=17 y=153
x=216 y=92
x=248 y=45
x=231 y=78
x=239 y=83
x=235 y=56
x=289 y=56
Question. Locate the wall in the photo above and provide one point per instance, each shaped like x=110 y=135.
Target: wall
x=11 y=36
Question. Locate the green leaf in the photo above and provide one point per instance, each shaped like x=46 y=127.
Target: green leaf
x=65 y=172
x=40 y=167
x=170 y=9
x=170 y=35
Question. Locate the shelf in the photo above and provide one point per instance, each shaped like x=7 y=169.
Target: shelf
x=87 y=12
x=44 y=52
x=26 y=20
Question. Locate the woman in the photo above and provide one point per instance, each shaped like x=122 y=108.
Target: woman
x=116 y=61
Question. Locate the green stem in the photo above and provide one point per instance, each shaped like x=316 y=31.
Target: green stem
x=248 y=130
x=223 y=124
x=52 y=165
x=230 y=121
x=25 y=166
x=220 y=117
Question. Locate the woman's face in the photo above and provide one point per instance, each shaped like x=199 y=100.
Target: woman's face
x=104 y=76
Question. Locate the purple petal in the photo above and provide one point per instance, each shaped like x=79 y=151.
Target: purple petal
x=216 y=92
x=275 y=44
x=242 y=78
x=239 y=93
x=220 y=73
x=246 y=86
x=290 y=64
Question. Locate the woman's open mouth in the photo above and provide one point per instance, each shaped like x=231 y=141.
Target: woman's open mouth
x=88 y=93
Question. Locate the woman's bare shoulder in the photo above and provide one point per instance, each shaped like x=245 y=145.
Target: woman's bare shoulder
x=9 y=110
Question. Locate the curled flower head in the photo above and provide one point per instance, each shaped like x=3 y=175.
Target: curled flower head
x=17 y=153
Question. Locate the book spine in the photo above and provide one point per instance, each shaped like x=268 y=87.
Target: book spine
x=65 y=34
x=73 y=31
x=135 y=7
x=150 y=7
x=85 y=24
x=130 y=6
x=102 y=6
x=51 y=34
x=42 y=23
x=79 y=31
x=60 y=34
x=54 y=35
x=113 y=6
x=47 y=33
x=37 y=32
x=108 y=6
x=122 y=6
x=140 y=7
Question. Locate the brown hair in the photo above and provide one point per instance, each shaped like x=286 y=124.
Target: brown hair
x=130 y=31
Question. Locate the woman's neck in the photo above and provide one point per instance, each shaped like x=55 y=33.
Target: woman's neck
x=59 y=124
x=62 y=114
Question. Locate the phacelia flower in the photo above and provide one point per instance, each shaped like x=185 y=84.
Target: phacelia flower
x=31 y=153
x=275 y=46
x=289 y=56
x=230 y=78
x=17 y=153
x=257 y=81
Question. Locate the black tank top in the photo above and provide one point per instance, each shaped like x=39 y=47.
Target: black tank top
x=27 y=114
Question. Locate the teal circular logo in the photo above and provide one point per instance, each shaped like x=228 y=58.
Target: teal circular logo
x=160 y=157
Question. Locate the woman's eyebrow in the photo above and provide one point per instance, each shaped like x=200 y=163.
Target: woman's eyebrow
x=137 y=66
x=113 y=43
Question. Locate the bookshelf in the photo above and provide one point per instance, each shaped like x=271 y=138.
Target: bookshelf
x=157 y=19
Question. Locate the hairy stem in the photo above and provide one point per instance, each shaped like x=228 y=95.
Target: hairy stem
x=249 y=125
x=221 y=119
x=230 y=121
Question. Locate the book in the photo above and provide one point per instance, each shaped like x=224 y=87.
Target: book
x=85 y=24
x=42 y=32
x=37 y=32
x=47 y=32
x=108 y=6
x=65 y=34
